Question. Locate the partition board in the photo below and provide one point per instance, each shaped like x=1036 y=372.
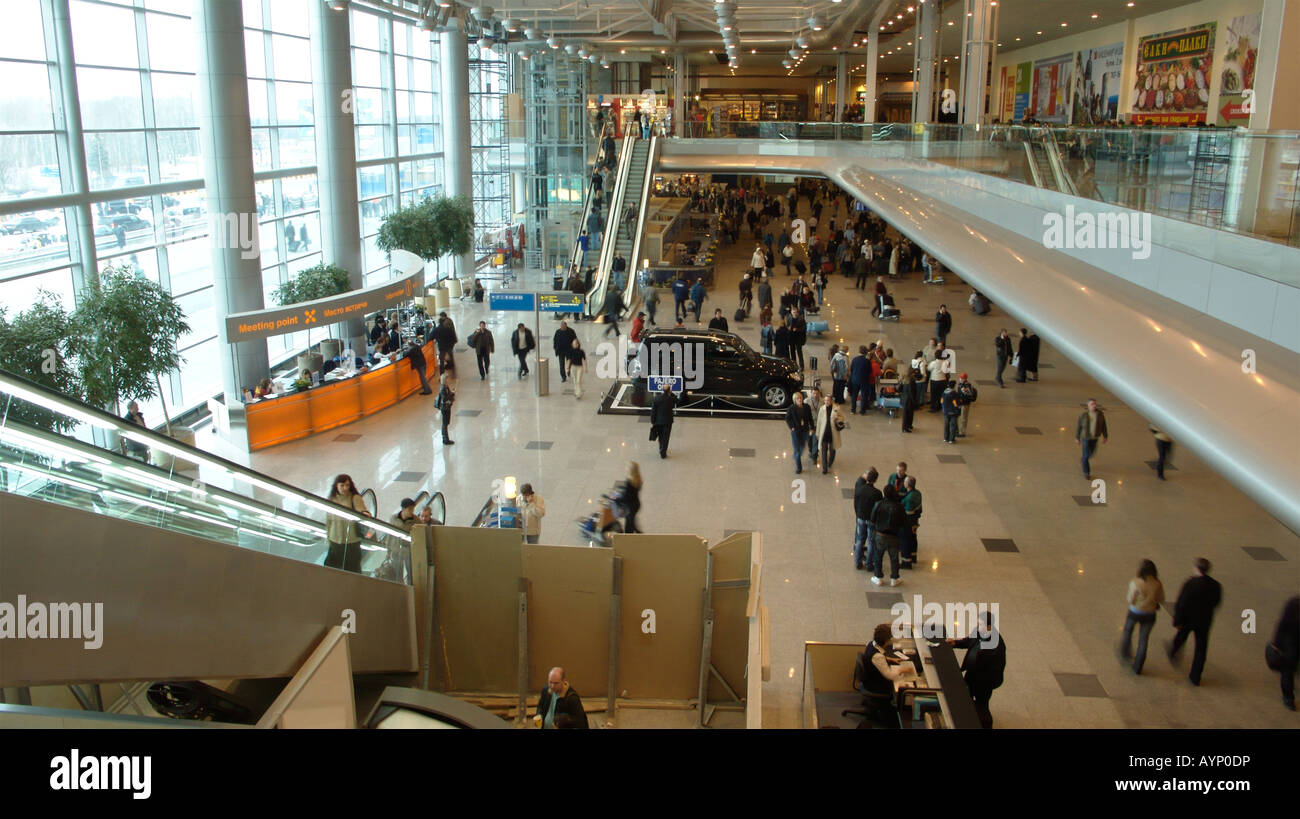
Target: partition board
x=732 y=560
x=831 y=664
x=568 y=615
x=663 y=574
x=476 y=593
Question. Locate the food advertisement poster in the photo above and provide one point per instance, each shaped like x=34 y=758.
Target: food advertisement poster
x=1096 y=84
x=1238 y=72
x=1050 y=99
x=1024 y=84
x=1174 y=70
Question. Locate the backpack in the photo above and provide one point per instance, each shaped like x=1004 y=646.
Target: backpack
x=968 y=393
x=893 y=518
x=444 y=399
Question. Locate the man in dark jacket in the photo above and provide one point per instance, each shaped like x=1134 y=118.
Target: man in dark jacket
x=798 y=336
x=942 y=323
x=612 y=308
x=859 y=380
x=559 y=706
x=718 y=322
x=800 y=421
x=661 y=418
x=886 y=519
x=1002 y=347
x=416 y=356
x=563 y=343
x=983 y=665
x=1197 y=600
x=681 y=291
x=521 y=343
x=764 y=293
x=1091 y=426
x=951 y=404
x=1286 y=640
x=484 y=346
x=865 y=498
x=445 y=338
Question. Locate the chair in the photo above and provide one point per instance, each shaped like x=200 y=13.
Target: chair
x=878 y=710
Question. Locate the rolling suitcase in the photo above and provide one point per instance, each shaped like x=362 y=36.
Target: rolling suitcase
x=740 y=315
x=818 y=326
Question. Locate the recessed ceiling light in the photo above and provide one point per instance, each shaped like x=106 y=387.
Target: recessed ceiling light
x=1095 y=16
x=1040 y=32
x=1131 y=4
x=1063 y=25
x=622 y=51
x=1017 y=39
x=950 y=22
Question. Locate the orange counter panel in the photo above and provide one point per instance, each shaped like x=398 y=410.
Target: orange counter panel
x=301 y=414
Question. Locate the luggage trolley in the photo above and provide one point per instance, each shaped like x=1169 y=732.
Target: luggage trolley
x=889 y=395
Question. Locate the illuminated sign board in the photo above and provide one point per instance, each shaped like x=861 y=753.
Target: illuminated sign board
x=277 y=321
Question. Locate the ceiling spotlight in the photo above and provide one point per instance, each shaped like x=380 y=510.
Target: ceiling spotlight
x=531 y=33
x=553 y=41
x=482 y=13
x=604 y=63
x=338 y=5
x=444 y=4
x=801 y=41
x=571 y=48
x=794 y=53
x=787 y=63
x=583 y=53
x=484 y=43
x=593 y=59
x=815 y=23
x=622 y=51
x=509 y=25
x=524 y=53
x=428 y=24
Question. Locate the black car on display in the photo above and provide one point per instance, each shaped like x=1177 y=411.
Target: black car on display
x=712 y=362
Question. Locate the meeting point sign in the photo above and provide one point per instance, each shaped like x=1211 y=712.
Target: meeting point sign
x=353 y=304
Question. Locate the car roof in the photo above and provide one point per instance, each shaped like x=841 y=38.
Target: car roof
x=693 y=333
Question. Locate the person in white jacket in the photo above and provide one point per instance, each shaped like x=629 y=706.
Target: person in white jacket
x=829 y=423
x=758 y=261
x=533 y=509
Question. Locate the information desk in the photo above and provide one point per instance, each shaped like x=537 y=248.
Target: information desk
x=828 y=684
x=298 y=414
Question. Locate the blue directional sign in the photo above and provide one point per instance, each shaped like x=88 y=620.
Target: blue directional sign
x=656 y=383
x=507 y=300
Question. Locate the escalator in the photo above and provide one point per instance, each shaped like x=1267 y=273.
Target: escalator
x=1046 y=167
x=197 y=569
x=631 y=196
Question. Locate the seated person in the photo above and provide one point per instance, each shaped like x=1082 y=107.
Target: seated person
x=329 y=366
x=875 y=675
x=265 y=389
x=979 y=305
x=558 y=699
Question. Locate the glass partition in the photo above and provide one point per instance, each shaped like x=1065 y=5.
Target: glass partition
x=1236 y=180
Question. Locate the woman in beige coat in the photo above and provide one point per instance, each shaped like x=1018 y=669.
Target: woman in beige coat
x=344 y=534
x=829 y=423
x=1145 y=594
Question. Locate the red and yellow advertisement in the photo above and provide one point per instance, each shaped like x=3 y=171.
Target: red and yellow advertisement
x=1173 y=76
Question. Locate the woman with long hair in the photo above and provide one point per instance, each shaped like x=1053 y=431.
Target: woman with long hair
x=345 y=535
x=1145 y=594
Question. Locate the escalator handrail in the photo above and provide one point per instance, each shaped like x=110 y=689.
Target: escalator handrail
x=576 y=253
x=643 y=205
x=596 y=297
x=43 y=396
x=160 y=474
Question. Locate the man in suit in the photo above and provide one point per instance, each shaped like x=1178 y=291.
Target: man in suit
x=661 y=418
x=1002 y=347
x=559 y=706
x=521 y=343
x=983 y=665
x=1197 y=600
x=798 y=336
x=416 y=356
x=563 y=342
x=1091 y=426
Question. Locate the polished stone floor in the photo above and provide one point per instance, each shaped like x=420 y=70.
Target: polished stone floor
x=1060 y=589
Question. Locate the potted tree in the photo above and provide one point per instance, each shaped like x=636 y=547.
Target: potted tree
x=430 y=228
x=319 y=282
x=35 y=346
x=125 y=337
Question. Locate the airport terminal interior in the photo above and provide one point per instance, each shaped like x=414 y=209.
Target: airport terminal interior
x=267 y=266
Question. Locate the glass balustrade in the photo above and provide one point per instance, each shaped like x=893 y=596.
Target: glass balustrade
x=60 y=451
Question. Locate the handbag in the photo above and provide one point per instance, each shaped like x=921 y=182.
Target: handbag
x=654 y=432
x=1015 y=362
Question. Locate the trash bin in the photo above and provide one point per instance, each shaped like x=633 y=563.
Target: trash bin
x=453 y=288
x=557 y=282
x=543 y=376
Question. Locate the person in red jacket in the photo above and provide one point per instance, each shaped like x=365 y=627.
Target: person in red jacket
x=638 y=327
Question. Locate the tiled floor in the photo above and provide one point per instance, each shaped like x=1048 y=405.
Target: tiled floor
x=1060 y=589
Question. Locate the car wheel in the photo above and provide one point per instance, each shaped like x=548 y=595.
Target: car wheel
x=775 y=396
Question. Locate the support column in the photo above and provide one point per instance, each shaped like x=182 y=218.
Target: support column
x=225 y=138
x=72 y=151
x=978 y=52
x=923 y=64
x=841 y=85
x=455 y=127
x=336 y=152
x=680 y=87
